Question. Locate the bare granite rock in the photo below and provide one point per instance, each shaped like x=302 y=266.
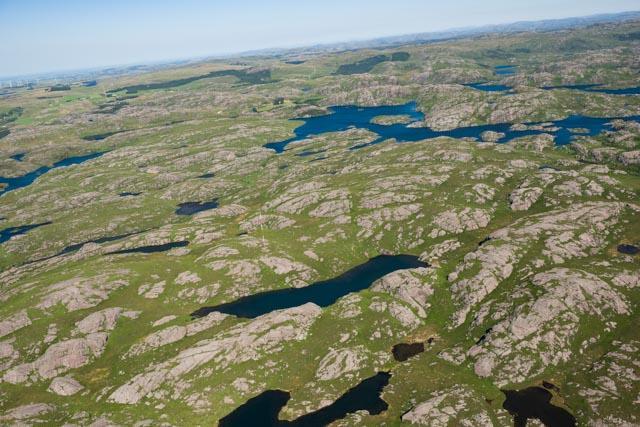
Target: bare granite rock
x=521 y=199
x=381 y=217
x=187 y=277
x=175 y=333
x=103 y=320
x=411 y=286
x=246 y=341
x=456 y=221
x=338 y=362
x=60 y=358
x=74 y=352
x=432 y=256
x=80 y=293
x=26 y=412
x=614 y=384
x=65 y=386
x=269 y=222
x=540 y=333
x=152 y=291
x=565 y=233
x=281 y=265
x=483 y=193
x=629 y=158
x=456 y=405
x=165 y=319
x=13 y=323
x=491 y=136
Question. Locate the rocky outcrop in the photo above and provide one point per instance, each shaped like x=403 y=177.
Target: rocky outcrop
x=456 y=221
x=541 y=332
x=380 y=200
x=630 y=158
x=26 y=412
x=496 y=264
x=152 y=291
x=103 y=320
x=437 y=251
x=59 y=358
x=613 y=384
x=491 y=136
x=269 y=222
x=562 y=234
x=71 y=353
x=482 y=193
x=281 y=266
x=12 y=323
x=456 y=405
x=411 y=286
x=246 y=341
x=80 y=293
x=369 y=222
x=65 y=386
x=339 y=362
x=331 y=208
x=176 y=333
x=521 y=199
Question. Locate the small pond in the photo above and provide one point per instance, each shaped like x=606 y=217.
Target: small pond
x=535 y=403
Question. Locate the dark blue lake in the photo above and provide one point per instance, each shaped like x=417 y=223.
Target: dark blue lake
x=322 y=293
x=628 y=249
x=488 y=87
x=18 y=157
x=150 y=249
x=28 y=178
x=345 y=117
x=597 y=88
x=263 y=410
x=535 y=403
x=191 y=208
x=9 y=232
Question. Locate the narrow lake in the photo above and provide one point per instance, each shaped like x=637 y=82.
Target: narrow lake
x=597 y=88
x=150 y=249
x=322 y=293
x=9 y=232
x=488 y=87
x=343 y=118
x=28 y=178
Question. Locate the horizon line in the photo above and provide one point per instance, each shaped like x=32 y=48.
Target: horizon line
x=50 y=74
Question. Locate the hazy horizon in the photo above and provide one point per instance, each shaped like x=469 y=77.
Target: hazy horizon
x=74 y=35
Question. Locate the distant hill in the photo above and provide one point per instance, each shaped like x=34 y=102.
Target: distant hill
x=515 y=27
x=382 y=42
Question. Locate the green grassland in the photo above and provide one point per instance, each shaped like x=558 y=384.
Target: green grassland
x=162 y=131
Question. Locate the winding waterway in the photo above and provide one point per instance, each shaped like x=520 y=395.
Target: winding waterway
x=343 y=118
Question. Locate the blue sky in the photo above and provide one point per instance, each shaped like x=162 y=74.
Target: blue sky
x=52 y=35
